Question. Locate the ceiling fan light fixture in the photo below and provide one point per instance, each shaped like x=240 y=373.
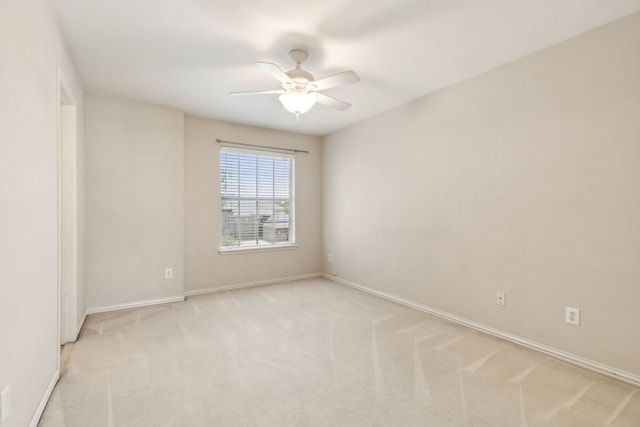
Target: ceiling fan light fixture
x=298 y=102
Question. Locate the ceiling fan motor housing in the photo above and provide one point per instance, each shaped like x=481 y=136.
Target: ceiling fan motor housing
x=301 y=77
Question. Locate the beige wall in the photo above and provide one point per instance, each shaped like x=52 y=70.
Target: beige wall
x=204 y=267
x=525 y=179
x=31 y=50
x=134 y=176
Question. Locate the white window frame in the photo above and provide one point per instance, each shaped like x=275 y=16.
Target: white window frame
x=234 y=204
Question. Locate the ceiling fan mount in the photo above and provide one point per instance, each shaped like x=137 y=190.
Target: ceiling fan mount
x=298 y=56
x=303 y=79
x=300 y=89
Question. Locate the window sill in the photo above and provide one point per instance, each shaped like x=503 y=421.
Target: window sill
x=236 y=251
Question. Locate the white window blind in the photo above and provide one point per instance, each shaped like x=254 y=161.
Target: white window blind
x=256 y=199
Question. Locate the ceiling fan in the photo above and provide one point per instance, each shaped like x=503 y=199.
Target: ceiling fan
x=300 y=90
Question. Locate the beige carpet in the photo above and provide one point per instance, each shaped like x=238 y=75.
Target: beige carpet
x=316 y=353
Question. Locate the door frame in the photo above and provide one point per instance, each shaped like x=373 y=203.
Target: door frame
x=67 y=185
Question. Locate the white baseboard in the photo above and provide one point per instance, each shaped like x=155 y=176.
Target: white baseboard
x=45 y=398
x=252 y=284
x=136 y=304
x=105 y=308
x=582 y=362
x=79 y=326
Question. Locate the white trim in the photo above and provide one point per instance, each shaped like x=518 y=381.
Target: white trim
x=45 y=399
x=136 y=304
x=67 y=237
x=582 y=362
x=252 y=284
x=79 y=326
x=65 y=94
x=235 y=251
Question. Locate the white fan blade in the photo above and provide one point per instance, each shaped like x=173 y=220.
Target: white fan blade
x=275 y=71
x=344 y=78
x=329 y=101
x=258 y=92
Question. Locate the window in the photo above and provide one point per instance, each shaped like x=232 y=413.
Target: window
x=256 y=199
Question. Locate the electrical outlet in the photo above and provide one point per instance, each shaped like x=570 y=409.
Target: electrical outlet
x=4 y=404
x=500 y=298
x=572 y=315
x=329 y=258
x=168 y=273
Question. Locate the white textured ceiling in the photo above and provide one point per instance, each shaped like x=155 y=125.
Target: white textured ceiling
x=190 y=54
